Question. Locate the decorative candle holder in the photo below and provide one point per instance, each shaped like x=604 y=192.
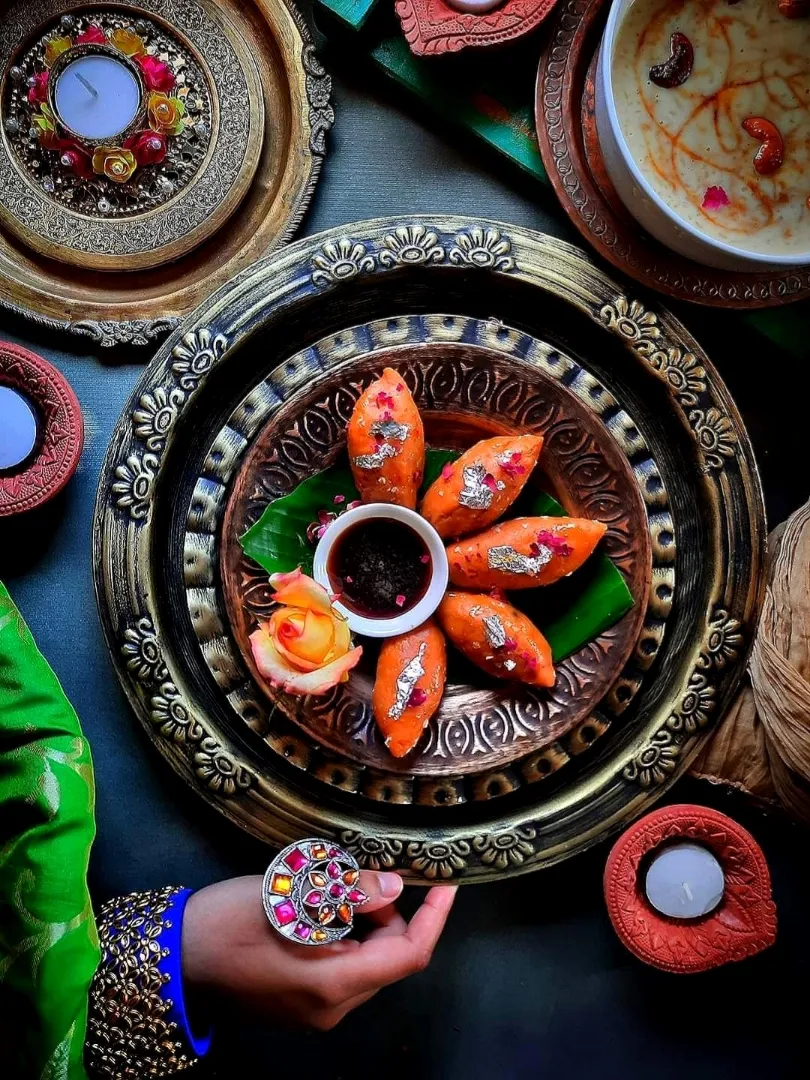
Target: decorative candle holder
x=133 y=194
x=433 y=27
x=742 y=924
x=68 y=58
x=57 y=446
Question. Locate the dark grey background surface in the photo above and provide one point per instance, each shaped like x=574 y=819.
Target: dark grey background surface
x=529 y=980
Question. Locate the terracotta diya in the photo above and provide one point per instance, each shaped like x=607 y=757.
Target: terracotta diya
x=566 y=131
x=672 y=859
x=433 y=27
x=42 y=432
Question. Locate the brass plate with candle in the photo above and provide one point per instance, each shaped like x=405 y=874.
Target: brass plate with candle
x=82 y=97
x=282 y=339
x=205 y=114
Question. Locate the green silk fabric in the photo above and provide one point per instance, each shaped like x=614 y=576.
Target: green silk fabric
x=48 y=941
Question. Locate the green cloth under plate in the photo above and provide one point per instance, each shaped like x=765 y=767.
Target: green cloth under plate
x=48 y=942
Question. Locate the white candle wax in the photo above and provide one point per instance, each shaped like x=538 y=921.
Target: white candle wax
x=18 y=428
x=685 y=881
x=97 y=97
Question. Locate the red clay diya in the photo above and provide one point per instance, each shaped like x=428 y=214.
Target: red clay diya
x=741 y=924
x=433 y=27
x=41 y=430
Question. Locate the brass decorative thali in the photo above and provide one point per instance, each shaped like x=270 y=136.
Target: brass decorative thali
x=495 y=329
x=235 y=183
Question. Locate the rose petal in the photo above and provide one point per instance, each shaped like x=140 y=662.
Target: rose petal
x=276 y=670
x=315 y=643
x=296 y=589
x=447 y=471
x=400 y=600
x=715 y=198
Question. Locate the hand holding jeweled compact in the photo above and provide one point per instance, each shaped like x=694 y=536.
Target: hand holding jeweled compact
x=382 y=569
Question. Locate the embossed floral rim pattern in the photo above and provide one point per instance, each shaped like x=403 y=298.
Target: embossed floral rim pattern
x=716 y=610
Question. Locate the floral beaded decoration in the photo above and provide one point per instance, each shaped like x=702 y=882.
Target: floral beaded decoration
x=162 y=116
x=310 y=891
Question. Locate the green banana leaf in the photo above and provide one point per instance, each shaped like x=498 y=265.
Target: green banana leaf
x=570 y=613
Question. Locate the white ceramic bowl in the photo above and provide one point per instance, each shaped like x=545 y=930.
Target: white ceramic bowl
x=413 y=617
x=645 y=204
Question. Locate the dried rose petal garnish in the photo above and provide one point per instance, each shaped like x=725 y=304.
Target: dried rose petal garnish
x=385 y=401
x=418 y=697
x=509 y=645
x=338 y=499
x=424 y=559
x=554 y=543
x=354 y=504
x=490 y=482
x=512 y=466
x=715 y=198
x=447 y=471
x=400 y=600
x=677 y=69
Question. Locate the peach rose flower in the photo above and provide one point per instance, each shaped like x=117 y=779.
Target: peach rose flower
x=305 y=647
x=127 y=42
x=166 y=114
x=55 y=48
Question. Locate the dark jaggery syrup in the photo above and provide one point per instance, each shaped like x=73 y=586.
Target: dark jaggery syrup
x=380 y=568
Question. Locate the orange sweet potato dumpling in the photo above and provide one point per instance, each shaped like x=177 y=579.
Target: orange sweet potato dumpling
x=523 y=553
x=496 y=637
x=386 y=441
x=481 y=485
x=411 y=674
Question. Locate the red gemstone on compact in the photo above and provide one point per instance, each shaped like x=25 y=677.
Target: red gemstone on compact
x=296 y=860
x=333 y=870
x=336 y=891
x=285 y=913
x=357 y=896
x=313 y=898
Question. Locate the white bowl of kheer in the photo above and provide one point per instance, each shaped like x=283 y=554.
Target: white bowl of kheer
x=703 y=117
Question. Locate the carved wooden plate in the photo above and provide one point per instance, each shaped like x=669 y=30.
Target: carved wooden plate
x=472 y=380
x=569 y=145
x=120 y=308
x=253 y=350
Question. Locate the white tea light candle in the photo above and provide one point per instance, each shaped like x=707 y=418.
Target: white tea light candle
x=685 y=881
x=18 y=428
x=97 y=97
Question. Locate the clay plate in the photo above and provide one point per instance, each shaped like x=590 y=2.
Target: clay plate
x=566 y=130
x=61 y=436
x=432 y=27
x=466 y=391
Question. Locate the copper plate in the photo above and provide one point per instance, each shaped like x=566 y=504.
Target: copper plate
x=254 y=350
x=60 y=440
x=136 y=309
x=566 y=130
x=472 y=380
